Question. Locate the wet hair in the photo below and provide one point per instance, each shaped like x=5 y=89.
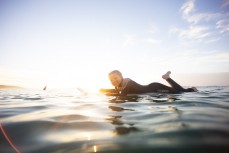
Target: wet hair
x=115 y=72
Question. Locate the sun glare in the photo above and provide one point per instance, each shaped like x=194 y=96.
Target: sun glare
x=83 y=80
x=88 y=75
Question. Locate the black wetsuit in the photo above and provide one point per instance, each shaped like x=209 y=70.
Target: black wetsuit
x=132 y=87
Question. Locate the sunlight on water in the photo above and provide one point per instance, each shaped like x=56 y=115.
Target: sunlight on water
x=62 y=121
x=95 y=148
x=72 y=135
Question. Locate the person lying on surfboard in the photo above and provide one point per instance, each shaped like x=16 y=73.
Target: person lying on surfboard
x=124 y=86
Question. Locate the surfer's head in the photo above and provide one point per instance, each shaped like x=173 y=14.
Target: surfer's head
x=115 y=77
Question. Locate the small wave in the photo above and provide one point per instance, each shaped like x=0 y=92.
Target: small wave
x=33 y=98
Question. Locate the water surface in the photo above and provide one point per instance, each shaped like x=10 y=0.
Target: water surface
x=56 y=121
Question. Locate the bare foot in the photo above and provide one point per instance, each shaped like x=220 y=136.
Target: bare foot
x=195 y=89
x=166 y=75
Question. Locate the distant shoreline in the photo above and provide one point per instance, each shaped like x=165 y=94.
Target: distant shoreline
x=9 y=87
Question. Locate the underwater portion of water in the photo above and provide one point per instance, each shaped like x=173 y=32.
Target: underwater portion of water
x=56 y=121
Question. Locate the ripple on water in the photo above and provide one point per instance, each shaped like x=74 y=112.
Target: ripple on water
x=60 y=122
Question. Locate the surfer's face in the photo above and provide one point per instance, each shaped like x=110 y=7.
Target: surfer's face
x=115 y=79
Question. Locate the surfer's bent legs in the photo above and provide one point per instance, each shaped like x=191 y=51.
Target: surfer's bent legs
x=175 y=85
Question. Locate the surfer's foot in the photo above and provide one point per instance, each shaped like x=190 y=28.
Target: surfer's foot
x=166 y=75
x=194 y=89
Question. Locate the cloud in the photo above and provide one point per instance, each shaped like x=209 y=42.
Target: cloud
x=190 y=15
x=202 y=58
x=211 y=40
x=207 y=25
x=188 y=7
x=222 y=57
x=226 y=3
x=223 y=25
x=217 y=56
x=193 y=32
x=196 y=18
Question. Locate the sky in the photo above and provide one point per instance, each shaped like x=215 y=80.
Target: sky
x=74 y=43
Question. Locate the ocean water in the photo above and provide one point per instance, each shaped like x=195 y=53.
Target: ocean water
x=69 y=121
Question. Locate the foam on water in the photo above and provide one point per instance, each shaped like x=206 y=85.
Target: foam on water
x=68 y=121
